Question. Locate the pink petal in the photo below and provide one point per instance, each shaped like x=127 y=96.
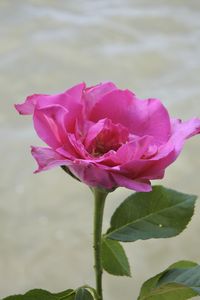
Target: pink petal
x=169 y=152
x=182 y=131
x=98 y=176
x=27 y=108
x=47 y=158
x=159 y=174
x=66 y=99
x=49 y=124
x=150 y=168
x=95 y=93
x=136 y=185
x=141 y=117
x=88 y=173
x=91 y=174
x=76 y=91
x=72 y=148
x=134 y=149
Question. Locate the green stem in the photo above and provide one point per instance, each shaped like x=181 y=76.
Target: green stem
x=99 y=197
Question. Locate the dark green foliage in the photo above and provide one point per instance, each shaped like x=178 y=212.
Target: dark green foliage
x=114 y=258
x=161 y=213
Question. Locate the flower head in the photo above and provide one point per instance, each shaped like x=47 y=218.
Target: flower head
x=106 y=137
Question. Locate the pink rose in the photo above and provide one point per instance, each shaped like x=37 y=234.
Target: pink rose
x=105 y=136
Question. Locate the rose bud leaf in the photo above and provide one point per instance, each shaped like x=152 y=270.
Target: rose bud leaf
x=161 y=213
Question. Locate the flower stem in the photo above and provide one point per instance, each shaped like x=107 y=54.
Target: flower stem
x=99 y=197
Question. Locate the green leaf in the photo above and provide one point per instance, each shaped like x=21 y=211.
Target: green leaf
x=85 y=293
x=38 y=294
x=114 y=258
x=161 y=213
x=179 y=282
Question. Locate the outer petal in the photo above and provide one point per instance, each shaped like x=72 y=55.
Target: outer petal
x=168 y=153
x=47 y=158
x=50 y=123
x=154 y=175
x=66 y=99
x=150 y=168
x=182 y=131
x=140 y=185
x=27 y=108
x=87 y=172
x=95 y=93
x=142 y=117
x=98 y=176
x=76 y=91
x=92 y=174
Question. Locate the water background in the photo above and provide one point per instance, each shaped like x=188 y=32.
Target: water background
x=151 y=47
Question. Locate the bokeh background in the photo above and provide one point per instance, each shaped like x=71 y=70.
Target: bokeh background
x=46 y=46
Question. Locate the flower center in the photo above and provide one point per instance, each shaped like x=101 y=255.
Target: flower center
x=105 y=136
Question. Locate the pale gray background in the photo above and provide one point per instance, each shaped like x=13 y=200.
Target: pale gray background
x=46 y=46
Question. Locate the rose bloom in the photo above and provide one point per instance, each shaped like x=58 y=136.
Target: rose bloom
x=106 y=137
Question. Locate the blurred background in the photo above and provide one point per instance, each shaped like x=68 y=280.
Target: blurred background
x=151 y=47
